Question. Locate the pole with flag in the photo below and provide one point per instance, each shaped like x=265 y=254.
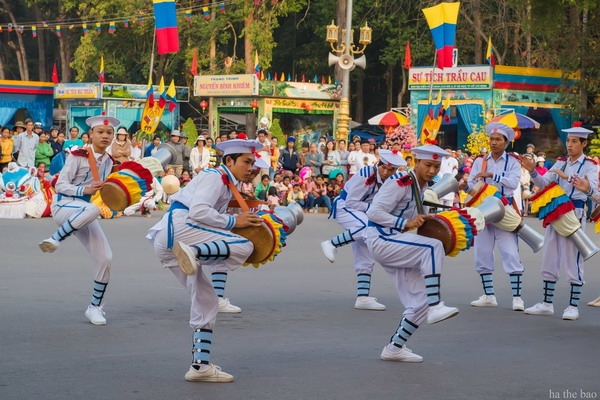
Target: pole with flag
x=489 y=54
x=407 y=56
x=171 y=96
x=101 y=73
x=55 y=74
x=167 y=32
x=194 y=67
x=442 y=23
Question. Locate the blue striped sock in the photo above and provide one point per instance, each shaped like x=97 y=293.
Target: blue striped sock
x=516 y=280
x=549 y=291
x=432 y=287
x=63 y=231
x=217 y=250
x=98 y=293
x=363 y=284
x=219 y=279
x=342 y=239
x=487 y=280
x=201 y=346
x=575 y=294
x=404 y=332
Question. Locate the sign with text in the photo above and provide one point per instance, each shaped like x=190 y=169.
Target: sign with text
x=477 y=77
x=225 y=85
x=77 y=91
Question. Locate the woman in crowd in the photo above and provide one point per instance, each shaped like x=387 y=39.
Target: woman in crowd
x=199 y=156
x=6 y=148
x=120 y=148
x=43 y=151
x=314 y=160
x=331 y=158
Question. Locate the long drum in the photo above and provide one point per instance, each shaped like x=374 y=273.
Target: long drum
x=268 y=239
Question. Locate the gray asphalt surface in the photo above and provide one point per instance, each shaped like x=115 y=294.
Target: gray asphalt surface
x=298 y=336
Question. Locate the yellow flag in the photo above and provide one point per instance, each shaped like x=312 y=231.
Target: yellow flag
x=161 y=85
x=282 y=77
x=171 y=90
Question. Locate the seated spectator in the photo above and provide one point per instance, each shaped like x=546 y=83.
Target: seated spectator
x=273 y=198
x=317 y=194
x=262 y=189
x=185 y=178
x=296 y=195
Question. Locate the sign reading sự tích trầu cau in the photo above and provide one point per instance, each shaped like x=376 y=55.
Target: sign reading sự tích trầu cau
x=225 y=85
x=476 y=77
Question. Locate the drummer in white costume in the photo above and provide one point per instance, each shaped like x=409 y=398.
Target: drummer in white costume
x=72 y=209
x=502 y=170
x=414 y=262
x=349 y=210
x=219 y=271
x=559 y=250
x=197 y=230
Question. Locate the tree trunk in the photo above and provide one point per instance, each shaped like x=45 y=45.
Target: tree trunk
x=583 y=58
x=476 y=6
x=41 y=45
x=20 y=49
x=403 y=90
x=389 y=81
x=528 y=35
x=248 y=47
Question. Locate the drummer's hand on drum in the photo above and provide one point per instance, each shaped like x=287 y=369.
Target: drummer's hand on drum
x=93 y=188
x=484 y=174
x=416 y=222
x=247 y=218
x=579 y=183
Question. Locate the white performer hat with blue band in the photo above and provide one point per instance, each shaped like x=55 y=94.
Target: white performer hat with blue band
x=578 y=131
x=392 y=158
x=237 y=146
x=430 y=152
x=503 y=129
x=102 y=120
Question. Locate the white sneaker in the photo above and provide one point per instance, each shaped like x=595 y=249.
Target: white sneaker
x=485 y=301
x=226 y=307
x=518 y=304
x=49 y=245
x=211 y=374
x=129 y=211
x=402 y=355
x=571 y=313
x=440 y=312
x=329 y=250
x=540 y=309
x=368 y=303
x=186 y=258
x=96 y=315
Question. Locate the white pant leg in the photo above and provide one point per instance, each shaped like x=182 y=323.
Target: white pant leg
x=93 y=239
x=508 y=245
x=410 y=287
x=408 y=250
x=356 y=222
x=559 y=250
x=483 y=251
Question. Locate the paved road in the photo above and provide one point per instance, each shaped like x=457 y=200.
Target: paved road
x=298 y=336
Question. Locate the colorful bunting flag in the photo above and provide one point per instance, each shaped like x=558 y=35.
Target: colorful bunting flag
x=98 y=28
x=10 y=27
x=262 y=76
x=171 y=96
x=188 y=14
x=141 y=20
x=329 y=80
x=315 y=79
x=150 y=92
x=269 y=76
x=45 y=24
x=85 y=29
x=206 y=13
x=289 y=77
x=442 y=23
x=303 y=78
x=222 y=7
x=111 y=27
x=282 y=77
x=256 y=64
x=101 y=73
x=489 y=54
x=323 y=79
x=33 y=31
x=276 y=78
x=162 y=101
x=20 y=29
x=167 y=33
x=126 y=23
x=57 y=30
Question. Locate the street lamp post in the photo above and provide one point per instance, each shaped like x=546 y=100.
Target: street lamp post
x=346 y=61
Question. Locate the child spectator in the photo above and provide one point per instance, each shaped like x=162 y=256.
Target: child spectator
x=273 y=198
x=262 y=189
x=296 y=195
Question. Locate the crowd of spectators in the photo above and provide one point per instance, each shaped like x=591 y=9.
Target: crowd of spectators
x=310 y=174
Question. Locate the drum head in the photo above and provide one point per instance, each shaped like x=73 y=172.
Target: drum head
x=113 y=196
x=263 y=240
x=437 y=228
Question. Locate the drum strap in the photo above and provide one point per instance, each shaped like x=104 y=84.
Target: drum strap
x=93 y=165
x=513 y=202
x=417 y=194
x=236 y=193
